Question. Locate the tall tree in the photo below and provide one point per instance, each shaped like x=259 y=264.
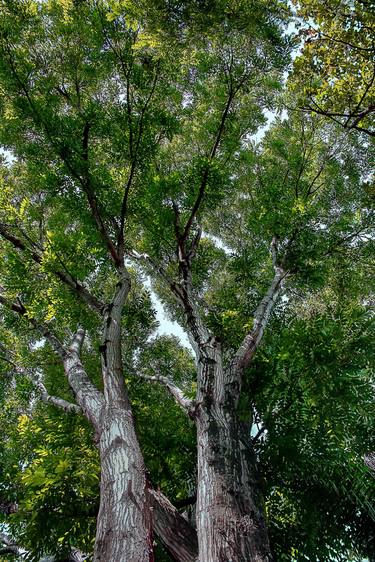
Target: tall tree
x=133 y=155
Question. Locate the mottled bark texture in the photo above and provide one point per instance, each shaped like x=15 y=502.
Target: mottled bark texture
x=124 y=525
x=124 y=532
x=230 y=517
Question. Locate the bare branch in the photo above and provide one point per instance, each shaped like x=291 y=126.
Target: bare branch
x=185 y=403
x=262 y=314
x=198 y=331
x=89 y=398
x=370 y=461
x=274 y=247
x=9 y=546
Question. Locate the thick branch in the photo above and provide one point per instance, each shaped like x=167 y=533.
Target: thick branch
x=252 y=340
x=185 y=403
x=198 y=331
x=89 y=398
x=258 y=434
x=177 y=535
x=262 y=314
x=77 y=341
x=87 y=395
x=370 y=461
x=114 y=387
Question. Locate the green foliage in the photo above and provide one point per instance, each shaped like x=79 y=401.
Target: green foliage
x=161 y=100
x=334 y=74
x=317 y=404
x=53 y=476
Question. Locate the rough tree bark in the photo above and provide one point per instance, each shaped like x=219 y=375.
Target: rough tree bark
x=129 y=508
x=230 y=518
x=124 y=526
x=230 y=515
x=124 y=531
x=174 y=531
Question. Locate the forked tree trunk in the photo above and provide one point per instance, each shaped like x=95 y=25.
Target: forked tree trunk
x=230 y=518
x=124 y=532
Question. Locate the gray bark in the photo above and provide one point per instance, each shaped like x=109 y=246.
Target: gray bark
x=230 y=519
x=124 y=525
x=124 y=532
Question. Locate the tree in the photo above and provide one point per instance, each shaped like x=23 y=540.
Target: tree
x=133 y=157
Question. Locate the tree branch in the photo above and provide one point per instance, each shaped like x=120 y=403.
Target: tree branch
x=262 y=314
x=186 y=403
x=110 y=348
x=357 y=117
x=77 y=341
x=43 y=393
x=258 y=434
x=124 y=205
x=177 y=535
x=63 y=153
x=87 y=395
x=77 y=287
x=64 y=405
x=203 y=184
x=198 y=331
x=10 y=547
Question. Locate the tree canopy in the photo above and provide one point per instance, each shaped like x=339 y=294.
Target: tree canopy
x=134 y=170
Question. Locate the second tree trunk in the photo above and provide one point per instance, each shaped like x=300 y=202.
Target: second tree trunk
x=230 y=518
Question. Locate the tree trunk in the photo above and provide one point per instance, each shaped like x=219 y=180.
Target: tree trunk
x=124 y=532
x=124 y=525
x=230 y=519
